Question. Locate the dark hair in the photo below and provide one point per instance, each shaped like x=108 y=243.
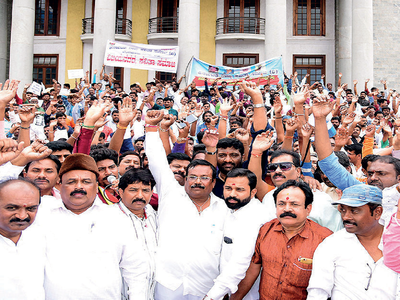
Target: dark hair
x=51 y=157
x=378 y=112
x=60 y=114
x=202 y=162
x=200 y=136
x=336 y=118
x=357 y=148
x=115 y=111
x=207 y=112
x=388 y=160
x=19 y=179
x=301 y=185
x=103 y=154
x=59 y=145
x=136 y=176
x=197 y=152
x=372 y=207
x=294 y=155
x=240 y=172
x=343 y=158
x=368 y=158
x=230 y=143
x=177 y=156
x=102 y=135
x=139 y=139
x=67 y=85
x=122 y=156
x=199 y=147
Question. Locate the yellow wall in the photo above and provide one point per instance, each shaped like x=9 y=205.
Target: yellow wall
x=140 y=27
x=74 y=45
x=208 y=15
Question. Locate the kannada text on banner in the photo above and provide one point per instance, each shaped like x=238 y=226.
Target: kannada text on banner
x=200 y=71
x=141 y=56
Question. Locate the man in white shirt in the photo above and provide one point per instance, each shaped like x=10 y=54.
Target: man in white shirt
x=244 y=220
x=22 y=247
x=349 y=264
x=88 y=252
x=191 y=220
x=135 y=189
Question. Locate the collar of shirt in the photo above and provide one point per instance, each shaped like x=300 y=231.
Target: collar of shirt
x=148 y=210
x=60 y=204
x=304 y=232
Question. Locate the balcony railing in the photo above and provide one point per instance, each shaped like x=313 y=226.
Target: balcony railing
x=122 y=26
x=163 y=25
x=247 y=25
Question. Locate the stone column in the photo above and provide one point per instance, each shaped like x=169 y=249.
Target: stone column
x=21 y=43
x=362 y=42
x=345 y=40
x=104 y=29
x=275 y=28
x=188 y=33
x=3 y=40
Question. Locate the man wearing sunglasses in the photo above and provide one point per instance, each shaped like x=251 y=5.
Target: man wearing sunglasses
x=285 y=165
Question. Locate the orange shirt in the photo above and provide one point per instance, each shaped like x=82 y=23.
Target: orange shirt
x=283 y=276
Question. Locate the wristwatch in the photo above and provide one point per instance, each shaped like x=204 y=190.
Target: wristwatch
x=258 y=105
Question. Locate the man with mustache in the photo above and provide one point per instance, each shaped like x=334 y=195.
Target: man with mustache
x=349 y=264
x=191 y=220
x=285 y=165
x=22 y=245
x=285 y=246
x=88 y=253
x=107 y=162
x=241 y=228
x=44 y=173
x=178 y=163
x=135 y=189
x=128 y=160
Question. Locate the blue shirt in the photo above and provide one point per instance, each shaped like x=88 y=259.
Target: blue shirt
x=336 y=173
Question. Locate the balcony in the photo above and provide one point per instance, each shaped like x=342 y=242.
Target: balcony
x=123 y=29
x=240 y=28
x=163 y=28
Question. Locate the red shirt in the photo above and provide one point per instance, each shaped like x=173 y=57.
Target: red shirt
x=283 y=276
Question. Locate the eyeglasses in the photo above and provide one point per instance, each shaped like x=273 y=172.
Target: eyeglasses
x=202 y=178
x=284 y=166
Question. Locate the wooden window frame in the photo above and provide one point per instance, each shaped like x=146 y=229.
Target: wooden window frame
x=160 y=5
x=226 y=8
x=43 y=66
x=308 y=67
x=158 y=76
x=322 y=19
x=229 y=55
x=121 y=82
x=46 y=20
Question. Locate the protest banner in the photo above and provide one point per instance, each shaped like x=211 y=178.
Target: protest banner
x=201 y=71
x=141 y=56
x=35 y=88
x=78 y=73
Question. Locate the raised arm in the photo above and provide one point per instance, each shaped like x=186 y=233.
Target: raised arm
x=261 y=143
x=27 y=115
x=260 y=119
x=126 y=115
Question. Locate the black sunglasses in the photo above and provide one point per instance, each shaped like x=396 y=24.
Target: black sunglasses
x=284 y=166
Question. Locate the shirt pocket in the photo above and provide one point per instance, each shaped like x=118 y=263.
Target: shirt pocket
x=302 y=272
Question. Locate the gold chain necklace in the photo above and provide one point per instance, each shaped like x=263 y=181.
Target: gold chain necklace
x=201 y=206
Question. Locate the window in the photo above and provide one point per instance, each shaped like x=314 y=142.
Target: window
x=164 y=76
x=307 y=64
x=242 y=16
x=239 y=60
x=120 y=17
x=309 y=17
x=47 y=17
x=167 y=13
x=45 y=69
x=119 y=76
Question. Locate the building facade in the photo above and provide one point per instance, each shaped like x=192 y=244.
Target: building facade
x=46 y=38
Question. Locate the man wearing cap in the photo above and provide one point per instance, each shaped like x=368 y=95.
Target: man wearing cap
x=86 y=257
x=349 y=264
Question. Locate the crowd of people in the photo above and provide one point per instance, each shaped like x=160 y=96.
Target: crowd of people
x=225 y=191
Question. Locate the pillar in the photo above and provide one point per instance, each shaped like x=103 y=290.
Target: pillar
x=104 y=29
x=275 y=28
x=21 y=43
x=188 y=33
x=3 y=40
x=345 y=41
x=362 y=41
